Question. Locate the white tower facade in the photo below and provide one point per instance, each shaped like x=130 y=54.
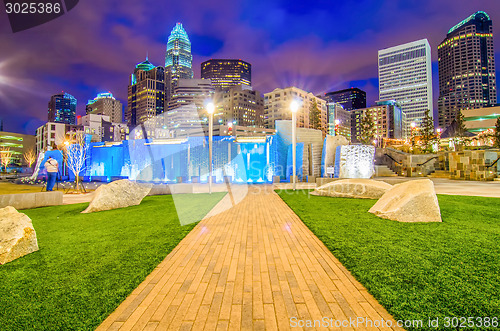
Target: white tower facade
x=405 y=75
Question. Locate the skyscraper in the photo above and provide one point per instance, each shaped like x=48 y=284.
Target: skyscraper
x=178 y=58
x=239 y=106
x=277 y=107
x=62 y=109
x=351 y=98
x=146 y=93
x=106 y=104
x=226 y=73
x=466 y=68
x=405 y=75
x=187 y=91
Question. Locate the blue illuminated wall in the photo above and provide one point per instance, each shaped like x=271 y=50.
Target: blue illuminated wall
x=150 y=160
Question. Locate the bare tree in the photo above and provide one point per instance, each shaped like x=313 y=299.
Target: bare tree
x=5 y=157
x=76 y=157
x=30 y=156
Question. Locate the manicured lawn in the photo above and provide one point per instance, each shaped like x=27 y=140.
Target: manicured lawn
x=9 y=188
x=416 y=271
x=88 y=263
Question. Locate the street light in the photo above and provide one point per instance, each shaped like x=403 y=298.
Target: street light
x=210 y=110
x=294 y=107
x=337 y=123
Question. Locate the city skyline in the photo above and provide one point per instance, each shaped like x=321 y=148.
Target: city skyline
x=308 y=54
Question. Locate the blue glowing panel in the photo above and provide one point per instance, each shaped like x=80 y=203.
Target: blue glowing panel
x=337 y=162
x=299 y=161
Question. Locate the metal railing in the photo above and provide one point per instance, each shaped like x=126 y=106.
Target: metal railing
x=491 y=165
x=432 y=158
x=390 y=157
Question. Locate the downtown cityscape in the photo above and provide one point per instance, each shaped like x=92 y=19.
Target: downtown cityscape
x=249 y=165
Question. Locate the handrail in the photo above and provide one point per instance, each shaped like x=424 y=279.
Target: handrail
x=432 y=158
x=491 y=165
x=390 y=157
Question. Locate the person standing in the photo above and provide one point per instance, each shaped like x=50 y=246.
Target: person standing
x=52 y=167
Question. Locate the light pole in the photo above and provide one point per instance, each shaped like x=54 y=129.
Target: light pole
x=210 y=110
x=294 y=107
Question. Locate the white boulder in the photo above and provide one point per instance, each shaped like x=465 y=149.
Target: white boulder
x=412 y=201
x=353 y=188
x=119 y=194
x=17 y=235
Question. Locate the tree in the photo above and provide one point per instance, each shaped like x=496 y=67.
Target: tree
x=367 y=126
x=30 y=156
x=461 y=132
x=5 y=157
x=76 y=157
x=427 y=131
x=496 y=134
x=315 y=116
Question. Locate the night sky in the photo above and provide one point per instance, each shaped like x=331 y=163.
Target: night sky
x=315 y=45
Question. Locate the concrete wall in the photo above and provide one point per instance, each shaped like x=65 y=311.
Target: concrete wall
x=31 y=200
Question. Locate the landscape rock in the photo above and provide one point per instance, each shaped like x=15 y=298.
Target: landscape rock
x=412 y=201
x=17 y=235
x=353 y=188
x=119 y=194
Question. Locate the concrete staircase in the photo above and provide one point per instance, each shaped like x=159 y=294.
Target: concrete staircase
x=440 y=174
x=384 y=171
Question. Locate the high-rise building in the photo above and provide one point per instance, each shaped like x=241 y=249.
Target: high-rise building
x=466 y=68
x=178 y=58
x=388 y=120
x=105 y=104
x=187 y=91
x=405 y=75
x=339 y=120
x=225 y=73
x=62 y=109
x=146 y=93
x=239 y=106
x=349 y=99
x=277 y=107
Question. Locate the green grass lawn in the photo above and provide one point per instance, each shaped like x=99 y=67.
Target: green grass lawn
x=10 y=188
x=415 y=271
x=88 y=263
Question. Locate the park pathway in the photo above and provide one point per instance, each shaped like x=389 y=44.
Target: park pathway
x=253 y=266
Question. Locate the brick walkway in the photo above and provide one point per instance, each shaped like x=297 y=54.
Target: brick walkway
x=253 y=266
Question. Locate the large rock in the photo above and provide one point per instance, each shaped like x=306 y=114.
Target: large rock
x=353 y=188
x=412 y=201
x=119 y=194
x=17 y=235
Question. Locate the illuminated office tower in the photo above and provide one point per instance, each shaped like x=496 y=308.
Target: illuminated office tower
x=178 y=58
x=277 y=107
x=106 y=104
x=405 y=76
x=349 y=99
x=226 y=73
x=239 y=106
x=466 y=68
x=62 y=109
x=146 y=93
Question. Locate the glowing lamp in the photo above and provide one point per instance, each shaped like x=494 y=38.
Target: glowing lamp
x=210 y=108
x=413 y=125
x=337 y=122
x=294 y=106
